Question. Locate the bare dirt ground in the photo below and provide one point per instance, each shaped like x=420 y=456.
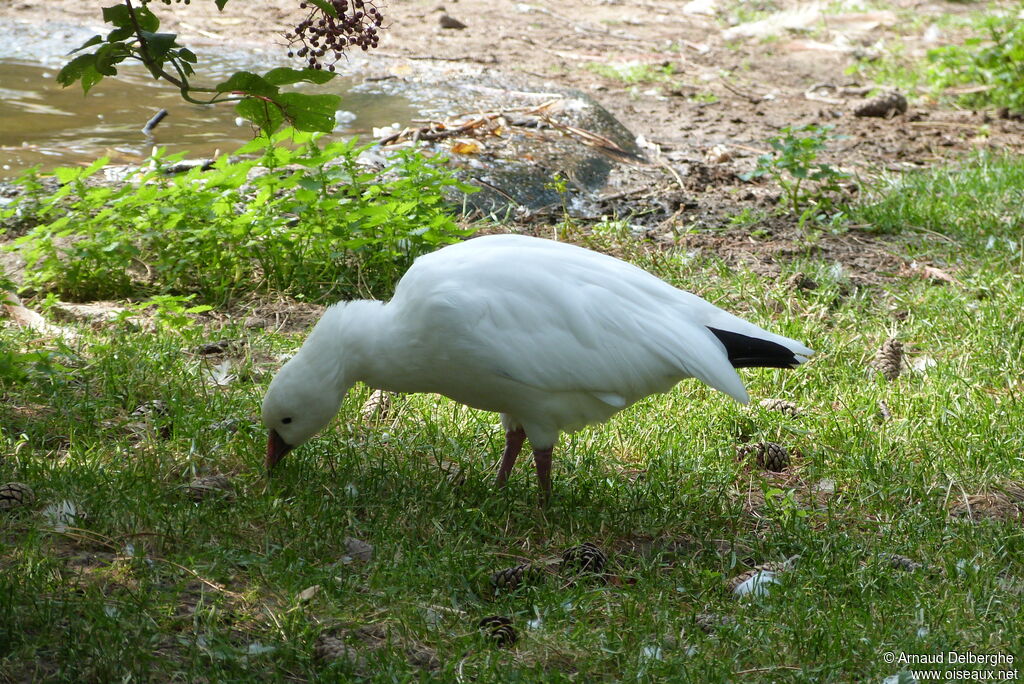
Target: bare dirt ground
x=714 y=85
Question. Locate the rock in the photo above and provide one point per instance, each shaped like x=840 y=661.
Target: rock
x=450 y=22
x=358 y=550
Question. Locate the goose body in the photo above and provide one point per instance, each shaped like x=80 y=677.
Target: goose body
x=551 y=336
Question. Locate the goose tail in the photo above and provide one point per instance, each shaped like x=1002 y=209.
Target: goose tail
x=767 y=351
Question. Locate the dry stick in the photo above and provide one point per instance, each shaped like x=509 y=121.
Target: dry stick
x=748 y=148
x=209 y=583
x=753 y=99
x=766 y=669
x=449 y=129
x=479 y=60
x=97 y=538
x=599 y=141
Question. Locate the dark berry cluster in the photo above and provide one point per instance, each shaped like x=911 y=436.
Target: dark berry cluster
x=321 y=37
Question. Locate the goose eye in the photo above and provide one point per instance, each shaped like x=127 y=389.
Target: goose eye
x=286 y=420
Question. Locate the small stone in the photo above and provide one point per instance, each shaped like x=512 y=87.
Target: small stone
x=15 y=495
x=889 y=359
x=584 y=558
x=450 y=22
x=358 y=550
x=307 y=594
x=886 y=105
x=499 y=628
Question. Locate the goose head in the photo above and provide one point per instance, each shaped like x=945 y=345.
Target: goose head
x=302 y=399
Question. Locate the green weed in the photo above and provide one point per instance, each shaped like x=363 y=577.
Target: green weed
x=304 y=219
x=805 y=181
x=994 y=61
x=988 y=67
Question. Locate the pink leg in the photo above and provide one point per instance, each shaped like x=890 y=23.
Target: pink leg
x=513 y=445
x=542 y=459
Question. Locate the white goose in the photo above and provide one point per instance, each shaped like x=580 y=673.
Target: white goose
x=551 y=336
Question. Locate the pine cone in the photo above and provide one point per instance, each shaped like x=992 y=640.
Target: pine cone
x=499 y=628
x=15 y=495
x=771 y=567
x=889 y=359
x=901 y=562
x=378 y=407
x=148 y=409
x=780 y=405
x=330 y=648
x=510 y=578
x=800 y=281
x=209 y=486
x=769 y=455
x=712 y=622
x=886 y=105
x=584 y=558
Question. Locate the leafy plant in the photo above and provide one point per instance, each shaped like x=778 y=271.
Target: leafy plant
x=997 y=62
x=302 y=219
x=329 y=28
x=169 y=311
x=794 y=164
x=634 y=73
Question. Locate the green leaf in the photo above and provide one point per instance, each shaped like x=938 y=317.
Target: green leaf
x=310 y=112
x=187 y=55
x=221 y=3
x=109 y=55
x=159 y=44
x=284 y=76
x=73 y=70
x=325 y=7
x=118 y=15
x=247 y=83
x=261 y=112
x=95 y=40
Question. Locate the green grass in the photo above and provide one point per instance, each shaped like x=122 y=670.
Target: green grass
x=980 y=68
x=152 y=585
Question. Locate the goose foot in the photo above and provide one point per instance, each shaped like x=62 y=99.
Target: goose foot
x=513 y=445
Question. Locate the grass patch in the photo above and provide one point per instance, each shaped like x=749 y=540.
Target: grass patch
x=634 y=73
x=149 y=583
x=979 y=202
x=984 y=71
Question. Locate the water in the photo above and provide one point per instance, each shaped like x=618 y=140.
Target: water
x=42 y=123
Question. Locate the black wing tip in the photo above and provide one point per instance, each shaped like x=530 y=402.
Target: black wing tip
x=745 y=351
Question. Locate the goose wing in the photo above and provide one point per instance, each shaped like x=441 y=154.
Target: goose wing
x=562 y=319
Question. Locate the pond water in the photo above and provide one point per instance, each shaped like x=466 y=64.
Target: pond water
x=45 y=124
